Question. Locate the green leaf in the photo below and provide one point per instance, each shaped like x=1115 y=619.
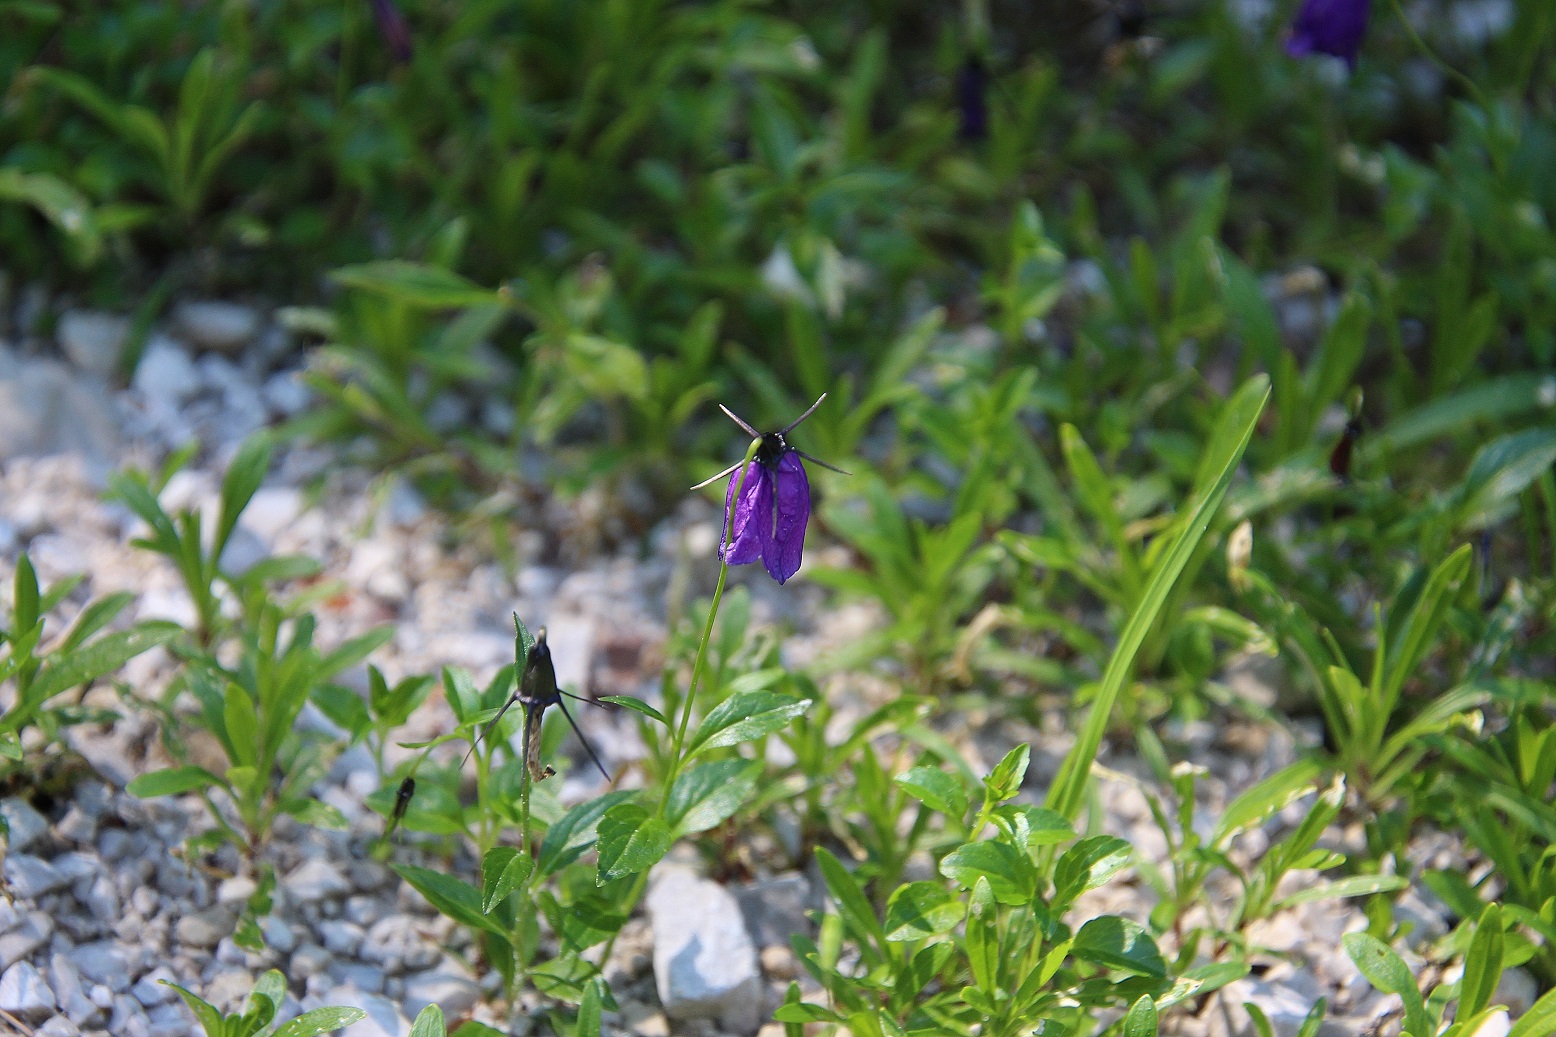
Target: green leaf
x=1087 y=865
x=1217 y=466
x=429 y=1023
x=1539 y=1021
x=61 y=204
x=503 y=870
x=210 y=1019
x=1385 y=970
x=637 y=706
x=1426 y=616
x=454 y=897
x=318 y=814
x=1501 y=470
x=707 y=794
x=424 y=287
x=983 y=938
x=173 y=781
x=1492 y=401
x=103 y=656
x=1141 y=1020
x=1010 y=874
x=589 y=1011
x=1008 y=774
x=242 y=725
x=574 y=832
x=25 y=603
x=322 y=1020
x=744 y=717
x=1314 y=1018
x=630 y=840
x=1096 y=494
x=1266 y=799
x=1482 y=964
x=920 y=910
x=854 y=906
x=93 y=618
x=937 y=789
x=354 y=651
x=1119 y=943
x=243 y=477
x=475 y=1029
x=1351 y=886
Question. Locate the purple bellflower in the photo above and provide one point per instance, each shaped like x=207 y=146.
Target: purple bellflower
x=1334 y=27
x=972 y=84
x=768 y=519
x=393 y=28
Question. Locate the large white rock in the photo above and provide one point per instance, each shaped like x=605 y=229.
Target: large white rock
x=705 y=966
x=93 y=341
x=383 y=1018
x=46 y=409
x=23 y=991
x=225 y=327
x=26 y=825
x=315 y=880
x=448 y=986
x=166 y=375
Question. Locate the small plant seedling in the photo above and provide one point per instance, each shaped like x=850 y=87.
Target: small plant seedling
x=260 y=1008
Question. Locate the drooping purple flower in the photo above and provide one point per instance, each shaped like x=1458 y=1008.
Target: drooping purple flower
x=1334 y=27
x=972 y=84
x=767 y=518
x=393 y=28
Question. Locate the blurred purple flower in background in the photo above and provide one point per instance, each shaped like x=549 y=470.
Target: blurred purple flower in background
x=972 y=84
x=769 y=517
x=393 y=28
x=1334 y=27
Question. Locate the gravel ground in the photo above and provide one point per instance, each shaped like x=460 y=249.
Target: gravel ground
x=98 y=904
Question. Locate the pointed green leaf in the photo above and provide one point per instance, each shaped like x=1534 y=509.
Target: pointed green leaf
x=503 y=870
x=320 y=1021
x=630 y=840
x=706 y=795
x=1482 y=964
x=173 y=781
x=637 y=706
x=937 y=790
x=921 y=910
x=1119 y=943
x=1141 y=1020
x=429 y=1023
x=745 y=717
x=1217 y=466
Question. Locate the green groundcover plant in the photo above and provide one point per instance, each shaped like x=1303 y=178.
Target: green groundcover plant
x=1165 y=343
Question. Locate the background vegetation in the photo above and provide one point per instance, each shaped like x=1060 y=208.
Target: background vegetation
x=1149 y=345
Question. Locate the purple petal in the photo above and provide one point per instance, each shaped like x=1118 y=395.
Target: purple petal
x=1334 y=27
x=752 y=515
x=782 y=556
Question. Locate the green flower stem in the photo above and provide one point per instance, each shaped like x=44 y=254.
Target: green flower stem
x=707 y=635
x=1432 y=56
x=640 y=881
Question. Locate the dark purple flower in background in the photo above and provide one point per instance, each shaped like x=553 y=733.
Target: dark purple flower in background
x=392 y=27
x=768 y=518
x=1333 y=27
x=972 y=87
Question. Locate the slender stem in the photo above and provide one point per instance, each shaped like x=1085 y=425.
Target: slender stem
x=707 y=630
x=640 y=881
x=1432 y=56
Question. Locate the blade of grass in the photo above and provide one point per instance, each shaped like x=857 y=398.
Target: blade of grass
x=1220 y=461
